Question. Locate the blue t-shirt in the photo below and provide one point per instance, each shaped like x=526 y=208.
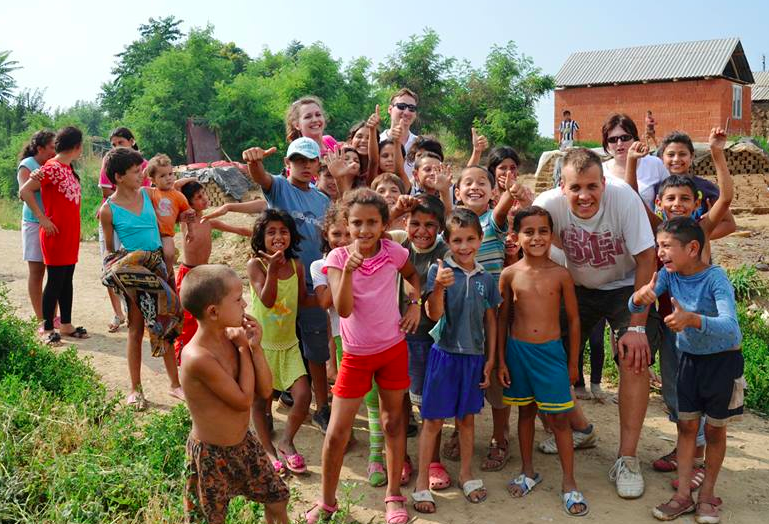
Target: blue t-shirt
x=461 y=329
x=706 y=191
x=136 y=232
x=26 y=213
x=709 y=294
x=308 y=209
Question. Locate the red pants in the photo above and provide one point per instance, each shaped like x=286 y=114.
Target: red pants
x=189 y=324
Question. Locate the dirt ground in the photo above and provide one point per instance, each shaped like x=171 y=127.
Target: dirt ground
x=743 y=483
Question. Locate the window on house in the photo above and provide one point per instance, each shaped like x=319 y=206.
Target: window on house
x=737 y=101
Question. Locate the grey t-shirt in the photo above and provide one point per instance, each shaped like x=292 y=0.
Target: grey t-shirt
x=462 y=327
x=422 y=260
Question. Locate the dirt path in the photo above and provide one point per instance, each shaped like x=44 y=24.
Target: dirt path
x=743 y=484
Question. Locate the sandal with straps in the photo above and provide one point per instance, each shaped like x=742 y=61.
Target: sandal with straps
x=573 y=498
x=321 y=507
x=523 y=483
x=497 y=457
x=423 y=496
x=673 y=508
x=696 y=480
x=396 y=516
x=666 y=463
x=707 y=517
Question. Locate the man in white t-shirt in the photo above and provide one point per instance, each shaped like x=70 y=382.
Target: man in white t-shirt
x=609 y=249
x=403 y=109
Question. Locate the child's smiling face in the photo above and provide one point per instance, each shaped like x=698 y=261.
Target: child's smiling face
x=422 y=229
x=389 y=191
x=425 y=174
x=387 y=159
x=674 y=254
x=364 y=221
x=464 y=243
x=338 y=234
x=678 y=201
x=360 y=140
x=132 y=178
x=277 y=236
x=506 y=168
x=677 y=158
x=474 y=190
x=535 y=236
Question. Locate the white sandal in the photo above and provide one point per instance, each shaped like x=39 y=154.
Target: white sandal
x=423 y=496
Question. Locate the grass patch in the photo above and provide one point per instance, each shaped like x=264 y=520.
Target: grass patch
x=10 y=214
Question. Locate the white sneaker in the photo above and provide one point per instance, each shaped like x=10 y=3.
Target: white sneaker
x=626 y=473
x=581 y=441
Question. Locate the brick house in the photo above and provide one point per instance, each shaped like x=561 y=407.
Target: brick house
x=759 y=112
x=689 y=86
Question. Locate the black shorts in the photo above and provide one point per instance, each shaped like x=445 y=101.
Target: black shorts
x=711 y=385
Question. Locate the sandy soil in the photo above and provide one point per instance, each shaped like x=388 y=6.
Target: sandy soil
x=743 y=484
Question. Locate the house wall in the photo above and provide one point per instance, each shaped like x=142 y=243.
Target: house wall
x=693 y=106
x=760 y=118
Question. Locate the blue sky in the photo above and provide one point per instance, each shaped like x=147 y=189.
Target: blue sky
x=69 y=53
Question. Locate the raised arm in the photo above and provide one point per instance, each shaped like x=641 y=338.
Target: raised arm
x=340 y=282
x=516 y=195
x=229 y=228
x=480 y=144
x=373 y=146
x=397 y=131
x=254 y=157
x=444 y=278
x=718 y=212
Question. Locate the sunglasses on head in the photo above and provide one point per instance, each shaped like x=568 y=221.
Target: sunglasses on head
x=403 y=106
x=620 y=138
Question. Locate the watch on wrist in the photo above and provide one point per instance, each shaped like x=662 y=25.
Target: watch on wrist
x=414 y=301
x=637 y=329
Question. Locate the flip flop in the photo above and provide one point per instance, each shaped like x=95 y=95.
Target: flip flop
x=423 y=496
x=137 y=400
x=439 y=477
x=279 y=467
x=570 y=499
x=114 y=326
x=79 y=333
x=524 y=483
x=53 y=339
x=470 y=487
x=294 y=462
x=396 y=516
x=320 y=506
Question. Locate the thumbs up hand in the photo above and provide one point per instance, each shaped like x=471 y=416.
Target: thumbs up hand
x=445 y=275
x=681 y=319
x=480 y=143
x=374 y=120
x=646 y=295
x=355 y=259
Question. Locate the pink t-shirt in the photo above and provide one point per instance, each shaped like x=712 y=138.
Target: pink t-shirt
x=105 y=183
x=372 y=327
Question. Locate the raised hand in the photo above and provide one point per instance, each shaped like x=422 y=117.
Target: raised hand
x=219 y=211
x=355 y=259
x=396 y=132
x=480 y=143
x=679 y=319
x=717 y=139
x=374 y=120
x=637 y=150
x=646 y=294
x=257 y=154
x=335 y=163
x=442 y=178
x=406 y=203
x=444 y=276
x=252 y=329
x=274 y=261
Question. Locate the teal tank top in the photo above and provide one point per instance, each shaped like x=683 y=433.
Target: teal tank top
x=136 y=232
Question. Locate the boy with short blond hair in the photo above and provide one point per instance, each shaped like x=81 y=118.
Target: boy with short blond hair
x=533 y=367
x=222 y=370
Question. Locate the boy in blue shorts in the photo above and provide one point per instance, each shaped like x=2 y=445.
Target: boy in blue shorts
x=710 y=372
x=532 y=354
x=462 y=297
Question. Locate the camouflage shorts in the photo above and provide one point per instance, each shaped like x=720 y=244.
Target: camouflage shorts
x=216 y=474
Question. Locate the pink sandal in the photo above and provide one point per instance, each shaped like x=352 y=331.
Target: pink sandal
x=406 y=471
x=294 y=462
x=696 y=480
x=439 y=477
x=279 y=467
x=396 y=516
x=320 y=506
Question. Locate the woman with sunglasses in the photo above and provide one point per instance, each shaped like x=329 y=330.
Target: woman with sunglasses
x=403 y=110
x=619 y=132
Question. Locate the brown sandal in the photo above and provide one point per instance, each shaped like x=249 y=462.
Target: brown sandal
x=711 y=516
x=497 y=457
x=674 y=508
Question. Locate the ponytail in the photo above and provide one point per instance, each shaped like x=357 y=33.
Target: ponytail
x=40 y=139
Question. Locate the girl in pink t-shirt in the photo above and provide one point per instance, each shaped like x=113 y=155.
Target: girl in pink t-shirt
x=362 y=278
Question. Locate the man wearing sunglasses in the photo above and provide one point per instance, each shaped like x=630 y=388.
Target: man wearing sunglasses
x=403 y=110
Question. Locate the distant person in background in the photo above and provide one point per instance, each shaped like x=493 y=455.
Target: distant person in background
x=650 y=136
x=36 y=152
x=306 y=117
x=120 y=137
x=59 y=220
x=568 y=131
x=403 y=111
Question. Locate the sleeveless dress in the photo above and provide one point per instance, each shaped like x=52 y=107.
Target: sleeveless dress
x=279 y=341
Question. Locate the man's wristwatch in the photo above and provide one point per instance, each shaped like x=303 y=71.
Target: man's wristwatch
x=637 y=329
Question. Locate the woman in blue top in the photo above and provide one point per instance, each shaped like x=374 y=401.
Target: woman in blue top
x=36 y=152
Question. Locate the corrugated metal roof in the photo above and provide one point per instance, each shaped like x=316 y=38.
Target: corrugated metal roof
x=655 y=63
x=760 y=90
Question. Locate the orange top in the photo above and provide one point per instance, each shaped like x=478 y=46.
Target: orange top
x=168 y=205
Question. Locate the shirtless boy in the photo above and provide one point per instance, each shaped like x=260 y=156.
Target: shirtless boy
x=533 y=355
x=223 y=369
x=197 y=245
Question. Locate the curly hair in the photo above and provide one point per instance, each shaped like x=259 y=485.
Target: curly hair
x=260 y=228
x=335 y=212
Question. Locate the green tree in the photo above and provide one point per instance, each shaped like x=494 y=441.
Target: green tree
x=498 y=99
x=7 y=82
x=156 y=36
x=181 y=83
x=90 y=114
x=417 y=65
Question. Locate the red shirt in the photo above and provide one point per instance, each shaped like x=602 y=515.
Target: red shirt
x=60 y=190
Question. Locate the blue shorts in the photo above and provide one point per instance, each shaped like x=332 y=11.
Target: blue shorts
x=538 y=373
x=419 y=350
x=452 y=385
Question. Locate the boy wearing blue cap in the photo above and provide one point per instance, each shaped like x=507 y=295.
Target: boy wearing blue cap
x=307 y=206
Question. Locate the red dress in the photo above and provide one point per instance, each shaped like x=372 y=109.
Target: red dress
x=60 y=190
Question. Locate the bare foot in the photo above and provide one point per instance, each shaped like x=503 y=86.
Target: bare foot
x=177 y=393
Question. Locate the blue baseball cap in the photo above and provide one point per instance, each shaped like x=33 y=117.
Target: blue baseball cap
x=306 y=147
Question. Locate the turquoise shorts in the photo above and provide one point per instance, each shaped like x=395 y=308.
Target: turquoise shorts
x=538 y=373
